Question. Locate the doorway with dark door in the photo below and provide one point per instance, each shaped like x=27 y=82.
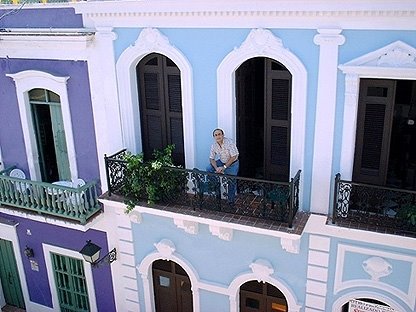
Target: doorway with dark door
x=263 y=97
x=9 y=276
x=172 y=287
x=385 y=150
x=50 y=135
x=160 y=98
x=261 y=297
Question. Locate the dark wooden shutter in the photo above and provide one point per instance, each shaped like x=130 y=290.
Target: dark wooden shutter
x=277 y=121
x=174 y=112
x=374 y=124
x=160 y=106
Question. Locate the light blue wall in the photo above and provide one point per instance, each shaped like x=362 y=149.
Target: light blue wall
x=210 y=302
x=218 y=261
x=352 y=270
x=205 y=49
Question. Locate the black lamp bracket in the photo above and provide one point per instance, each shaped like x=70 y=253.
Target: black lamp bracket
x=107 y=259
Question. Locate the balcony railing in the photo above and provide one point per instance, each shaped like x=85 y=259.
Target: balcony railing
x=375 y=208
x=267 y=200
x=78 y=204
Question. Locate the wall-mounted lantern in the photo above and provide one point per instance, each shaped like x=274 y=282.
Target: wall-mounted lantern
x=91 y=254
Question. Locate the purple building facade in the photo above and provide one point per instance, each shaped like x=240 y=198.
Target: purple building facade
x=46 y=105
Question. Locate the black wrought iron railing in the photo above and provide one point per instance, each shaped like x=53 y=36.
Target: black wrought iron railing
x=376 y=207
x=269 y=200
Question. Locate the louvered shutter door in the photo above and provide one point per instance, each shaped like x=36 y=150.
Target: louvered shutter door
x=374 y=122
x=161 y=106
x=151 y=104
x=277 y=121
x=174 y=113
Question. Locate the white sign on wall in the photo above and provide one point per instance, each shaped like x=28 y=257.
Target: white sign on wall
x=361 y=306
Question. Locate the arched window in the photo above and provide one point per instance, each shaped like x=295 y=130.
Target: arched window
x=172 y=287
x=35 y=88
x=261 y=297
x=159 y=83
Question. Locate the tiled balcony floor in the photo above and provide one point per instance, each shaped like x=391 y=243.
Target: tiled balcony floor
x=299 y=221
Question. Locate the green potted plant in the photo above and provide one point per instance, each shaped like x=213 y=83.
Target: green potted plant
x=151 y=180
x=408 y=213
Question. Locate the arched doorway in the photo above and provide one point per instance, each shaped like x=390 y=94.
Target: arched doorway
x=263 y=108
x=261 y=297
x=159 y=88
x=49 y=131
x=172 y=287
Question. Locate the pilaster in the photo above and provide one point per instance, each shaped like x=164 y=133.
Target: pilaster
x=328 y=41
x=102 y=76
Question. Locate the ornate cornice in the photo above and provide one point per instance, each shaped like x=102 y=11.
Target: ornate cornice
x=253 y=14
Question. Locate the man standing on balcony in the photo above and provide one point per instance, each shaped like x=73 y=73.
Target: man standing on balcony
x=223 y=159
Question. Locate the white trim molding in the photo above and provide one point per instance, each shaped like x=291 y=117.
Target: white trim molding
x=356 y=14
x=394 y=61
x=263 y=43
x=341 y=284
x=261 y=271
x=47 y=43
x=26 y=81
x=166 y=250
x=151 y=40
x=338 y=304
x=190 y=227
x=47 y=249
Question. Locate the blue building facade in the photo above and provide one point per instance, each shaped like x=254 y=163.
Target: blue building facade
x=346 y=73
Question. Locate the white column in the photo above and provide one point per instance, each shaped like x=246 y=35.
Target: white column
x=104 y=97
x=328 y=40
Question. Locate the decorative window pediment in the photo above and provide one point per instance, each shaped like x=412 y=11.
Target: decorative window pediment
x=396 y=54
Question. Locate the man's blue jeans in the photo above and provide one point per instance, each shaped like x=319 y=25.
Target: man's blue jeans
x=232 y=183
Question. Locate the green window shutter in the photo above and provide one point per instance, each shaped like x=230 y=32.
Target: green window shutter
x=71 y=285
x=60 y=143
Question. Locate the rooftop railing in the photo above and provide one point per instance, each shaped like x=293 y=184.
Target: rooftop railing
x=78 y=204
x=376 y=208
x=262 y=199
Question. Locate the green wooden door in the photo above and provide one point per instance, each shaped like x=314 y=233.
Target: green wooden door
x=9 y=275
x=60 y=142
x=71 y=285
